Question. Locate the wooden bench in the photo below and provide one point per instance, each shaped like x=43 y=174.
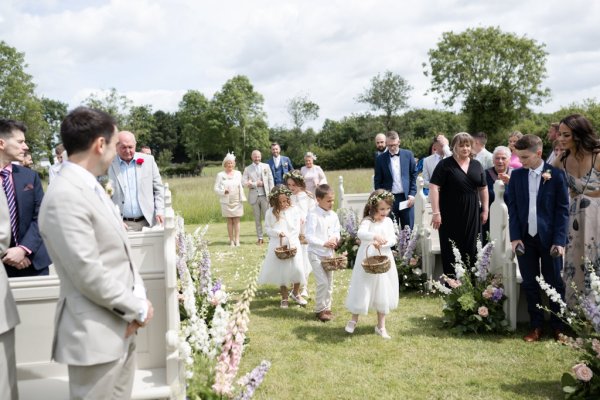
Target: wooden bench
x=159 y=372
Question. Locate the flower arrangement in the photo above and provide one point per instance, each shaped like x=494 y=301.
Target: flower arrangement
x=473 y=300
x=583 y=318
x=349 y=242
x=211 y=333
x=408 y=262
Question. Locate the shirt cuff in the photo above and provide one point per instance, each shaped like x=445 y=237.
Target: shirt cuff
x=26 y=249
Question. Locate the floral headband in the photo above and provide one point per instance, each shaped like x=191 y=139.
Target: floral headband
x=383 y=196
x=295 y=174
x=279 y=190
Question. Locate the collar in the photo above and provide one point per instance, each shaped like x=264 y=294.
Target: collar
x=538 y=170
x=323 y=212
x=88 y=178
x=133 y=160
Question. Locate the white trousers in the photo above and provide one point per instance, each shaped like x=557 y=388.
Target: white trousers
x=324 y=281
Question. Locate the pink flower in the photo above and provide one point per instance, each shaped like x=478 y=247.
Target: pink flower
x=139 y=161
x=487 y=294
x=483 y=311
x=413 y=261
x=582 y=372
x=453 y=283
x=547 y=175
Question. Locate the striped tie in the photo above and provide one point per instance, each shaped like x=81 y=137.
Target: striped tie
x=9 y=190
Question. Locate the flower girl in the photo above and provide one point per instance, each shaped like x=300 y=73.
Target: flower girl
x=304 y=201
x=283 y=222
x=367 y=291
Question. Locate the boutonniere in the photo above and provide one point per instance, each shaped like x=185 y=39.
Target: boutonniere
x=264 y=172
x=108 y=189
x=285 y=164
x=547 y=175
x=139 y=161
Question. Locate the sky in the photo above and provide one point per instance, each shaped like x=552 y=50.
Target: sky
x=153 y=51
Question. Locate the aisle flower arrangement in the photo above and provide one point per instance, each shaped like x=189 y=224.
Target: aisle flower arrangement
x=583 y=318
x=408 y=261
x=212 y=333
x=473 y=300
x=349 y=242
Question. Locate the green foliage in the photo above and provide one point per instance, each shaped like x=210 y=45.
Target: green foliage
x=140 y=122
x=54 y=112
x=388 y=93
x=164 y=159
x=424 y=123
x=301 y=110
x=497 y=74
x=115 y=104
x=192 y=117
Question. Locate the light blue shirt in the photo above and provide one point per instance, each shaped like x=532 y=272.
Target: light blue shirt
x=131 y=205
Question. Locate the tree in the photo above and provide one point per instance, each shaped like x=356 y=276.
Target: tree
x=388 y=93
x=301 y=110
x=112 y=102
x=17 y=95
x=496 y=75
x=192 y=116
x=54 y=112
x=140 y=122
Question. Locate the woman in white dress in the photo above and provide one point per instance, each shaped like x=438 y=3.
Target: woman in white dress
x=282 y=222
x=228 y=186
x=313 y=174
x=304 y=201
x=367 y=291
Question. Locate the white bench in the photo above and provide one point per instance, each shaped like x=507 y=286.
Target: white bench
x=159 y=372
x=429 y=242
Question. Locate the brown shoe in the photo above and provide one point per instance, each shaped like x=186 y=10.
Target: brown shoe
x=534 y=335
x=323 y=316
x=259 y=242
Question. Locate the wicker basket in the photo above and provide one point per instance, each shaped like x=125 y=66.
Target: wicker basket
x=284 y=252
x=302 y=239
x=334 y=262
x=376 y=264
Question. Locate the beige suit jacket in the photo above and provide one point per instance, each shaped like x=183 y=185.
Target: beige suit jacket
x=150 y=190
x=9 y=317
x=91 y=253
x=250 y=177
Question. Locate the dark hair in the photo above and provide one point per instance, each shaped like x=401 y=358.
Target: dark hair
x=297 y=177
x=481 y=136
x=373 y=201
x=82 y=126
x=59 y=149
x=323 y=190
x=529 y=142
x=392 y=135
x=8 y=126
x=274 y=198
x=584 y=136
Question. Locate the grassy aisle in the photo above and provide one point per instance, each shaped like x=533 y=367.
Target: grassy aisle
x=311 y=359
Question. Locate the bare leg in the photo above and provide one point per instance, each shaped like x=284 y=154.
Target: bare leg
x=380 y=321
x=230 y=230
x=236 y=230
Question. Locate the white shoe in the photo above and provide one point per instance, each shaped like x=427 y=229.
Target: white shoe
x=350 y=326
x=382 y=332
x=232 y=244
x=304 y=293
x=237 y=244
x=298 y=299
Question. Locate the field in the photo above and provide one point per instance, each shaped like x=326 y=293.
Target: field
x=312 y=360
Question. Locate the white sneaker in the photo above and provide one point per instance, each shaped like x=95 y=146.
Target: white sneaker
x=298 y=299
x=232 y=244
x=350 y=326
x=382 y=332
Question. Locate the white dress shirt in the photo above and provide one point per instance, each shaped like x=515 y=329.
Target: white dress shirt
x=321 y=226
x=396 y=174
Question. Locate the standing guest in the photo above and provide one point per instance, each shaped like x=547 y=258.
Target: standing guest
x=430 y=162
x=501 y=171
x=456 y=190
x=102 y=299
x=380 y=144
x=138 y=188
x=514 y=158
x=377 y=292
x=538 y=213
x=395 y=172
x=481 y=153
x=305 y=202
x=27 y=160
x=556 y=150
x=313 y=174
x=9 y=317
x=26 y=255
x=59 y=151
x=228 y=186
x=146 y=150
x=552 y=137
x=279 y=164
x=283 y=221
x=323 y=235
x=581 y=162
x=258 y=179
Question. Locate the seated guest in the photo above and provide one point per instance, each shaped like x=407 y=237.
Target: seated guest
x=502 y=171
x=313 y=174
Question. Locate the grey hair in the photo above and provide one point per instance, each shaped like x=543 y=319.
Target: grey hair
x=310 y=154
x=505 y=149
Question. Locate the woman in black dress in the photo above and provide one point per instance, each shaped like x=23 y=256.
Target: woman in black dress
x=456 y=189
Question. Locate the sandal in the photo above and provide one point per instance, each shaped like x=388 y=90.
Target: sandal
x=284 y=304
x=350 y=326
x=298 y=299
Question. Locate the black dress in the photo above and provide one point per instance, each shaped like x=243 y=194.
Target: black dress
x=459 y=208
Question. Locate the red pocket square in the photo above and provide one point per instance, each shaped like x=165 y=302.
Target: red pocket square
x=27 y=187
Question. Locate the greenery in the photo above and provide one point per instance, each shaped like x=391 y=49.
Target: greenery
x=349 y=242
x=301 y=110
x=409 y=262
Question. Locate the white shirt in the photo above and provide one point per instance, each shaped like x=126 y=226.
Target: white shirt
x=396 y=174
x=276 y=161
x=321 y=226
x=485 y=158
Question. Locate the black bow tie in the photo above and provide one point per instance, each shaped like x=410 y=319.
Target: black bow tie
x=394 y=155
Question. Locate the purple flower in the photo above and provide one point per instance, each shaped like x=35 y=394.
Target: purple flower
x=484 y=262
x=252 y=380
x=497 y=295
x=403 y=240
x=410 y=246
x=592 y=313
x=217 y=286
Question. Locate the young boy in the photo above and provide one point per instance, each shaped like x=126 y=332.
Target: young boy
x=322 y=232
x=538 y=209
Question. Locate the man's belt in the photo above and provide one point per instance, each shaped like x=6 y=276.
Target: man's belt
x=138 y=219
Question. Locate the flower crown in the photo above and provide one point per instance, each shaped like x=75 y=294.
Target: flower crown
x=277 y=190
x=295 y=174
x=383 y=196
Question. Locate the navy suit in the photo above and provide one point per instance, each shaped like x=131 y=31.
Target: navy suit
x=29 y=194
x=408 y=173
x=285 y=166
x=552 y=215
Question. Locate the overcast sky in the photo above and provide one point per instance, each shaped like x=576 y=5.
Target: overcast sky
x=153 y=51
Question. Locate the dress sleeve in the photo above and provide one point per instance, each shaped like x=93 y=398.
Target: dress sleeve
x=270 y=223
x=364 y=233
x=390 y=233
x=219 y=187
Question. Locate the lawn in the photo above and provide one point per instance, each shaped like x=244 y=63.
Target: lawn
x=311 y=359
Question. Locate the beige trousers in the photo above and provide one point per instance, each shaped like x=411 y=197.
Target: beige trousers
x=8 y=366
x=324 y=280
x=260 y=210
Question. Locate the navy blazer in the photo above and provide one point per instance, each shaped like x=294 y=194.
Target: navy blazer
x=552 y=206
x=29 y=195
x=383 y=172
x=285 y=166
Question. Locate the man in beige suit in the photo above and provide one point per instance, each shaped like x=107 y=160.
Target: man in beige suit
x=259 y=180
x=9 y=317
x=102 y=299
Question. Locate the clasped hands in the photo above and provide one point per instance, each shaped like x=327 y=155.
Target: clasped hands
x=134 y=325
x=555 y=250
x=16 y=257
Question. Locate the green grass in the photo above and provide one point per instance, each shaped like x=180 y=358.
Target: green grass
x=311 y=359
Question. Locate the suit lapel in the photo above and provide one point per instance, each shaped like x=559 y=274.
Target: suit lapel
x=117 y=172
x=138 y=174
x=18 y=186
